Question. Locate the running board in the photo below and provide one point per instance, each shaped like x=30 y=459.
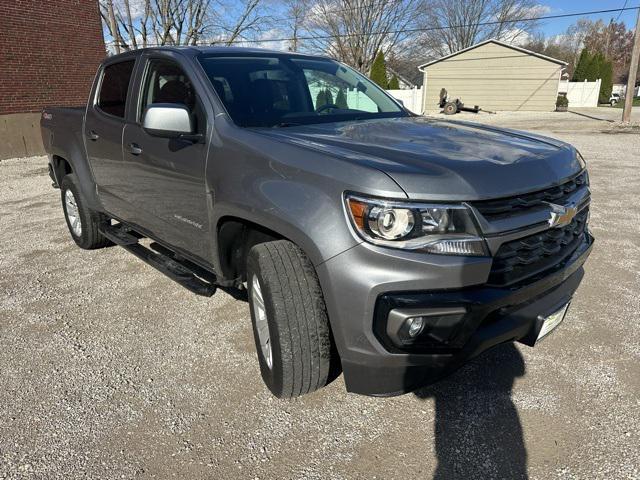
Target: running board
x=118 y=234
x=165 y=261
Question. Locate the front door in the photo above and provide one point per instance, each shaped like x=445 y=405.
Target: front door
x=104 y=123
x=166 y=188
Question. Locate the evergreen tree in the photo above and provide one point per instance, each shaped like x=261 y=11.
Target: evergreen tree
x=321 y=98
x=394 y=83
x=592 y=67
x=606 y=75
x=341 y=99
x=378 y=71
x=582 y=67
x=595 y=67
x=324 y=97
x=329 y=97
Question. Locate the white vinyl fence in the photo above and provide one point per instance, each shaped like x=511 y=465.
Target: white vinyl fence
x=412 y=99
x=355 y=99
x=580 y=94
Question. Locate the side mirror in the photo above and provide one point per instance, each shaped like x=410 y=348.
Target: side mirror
x=167 y=120
x=401 y=102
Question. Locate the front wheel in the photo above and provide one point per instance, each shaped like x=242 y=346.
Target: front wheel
x=290 y=323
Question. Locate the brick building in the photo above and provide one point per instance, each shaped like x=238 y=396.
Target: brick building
x=49 y=53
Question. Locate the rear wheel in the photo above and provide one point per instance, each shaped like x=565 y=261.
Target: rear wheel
x=290 y=323
x=83 y=223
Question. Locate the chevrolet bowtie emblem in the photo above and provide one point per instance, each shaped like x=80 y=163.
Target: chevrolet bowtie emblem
x=561 y=215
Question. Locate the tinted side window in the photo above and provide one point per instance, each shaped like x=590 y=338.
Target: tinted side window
x=166 y=82
x=113 y=91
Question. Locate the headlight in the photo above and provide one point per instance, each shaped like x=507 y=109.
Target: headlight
x=433 y=228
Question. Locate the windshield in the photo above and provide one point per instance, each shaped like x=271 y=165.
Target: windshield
x=285 y=91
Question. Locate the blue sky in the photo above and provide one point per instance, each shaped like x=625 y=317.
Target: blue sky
x=559 y=7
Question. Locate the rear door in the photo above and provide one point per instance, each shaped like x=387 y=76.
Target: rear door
x=166 y=192
x=103 y=128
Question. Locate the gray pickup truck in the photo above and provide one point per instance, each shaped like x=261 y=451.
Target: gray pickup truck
x=367 y=240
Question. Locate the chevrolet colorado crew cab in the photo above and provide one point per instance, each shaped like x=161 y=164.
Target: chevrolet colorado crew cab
x=367 y=240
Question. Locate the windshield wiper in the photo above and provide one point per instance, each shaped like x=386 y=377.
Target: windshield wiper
x=286 y=124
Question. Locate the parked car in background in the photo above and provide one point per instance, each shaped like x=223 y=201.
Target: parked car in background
x=613 y=99
x=393 y=246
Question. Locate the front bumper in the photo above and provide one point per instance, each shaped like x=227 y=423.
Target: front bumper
x=365 y=280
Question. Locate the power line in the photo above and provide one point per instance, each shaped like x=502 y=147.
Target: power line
x=620 y=13
x=414 y=30
x=445 y=27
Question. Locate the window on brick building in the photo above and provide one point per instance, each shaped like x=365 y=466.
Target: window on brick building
x=115 y=84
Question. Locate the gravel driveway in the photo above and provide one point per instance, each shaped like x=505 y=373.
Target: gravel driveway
x=110 y=370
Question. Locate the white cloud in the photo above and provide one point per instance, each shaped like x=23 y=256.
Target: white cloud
x=273 y=34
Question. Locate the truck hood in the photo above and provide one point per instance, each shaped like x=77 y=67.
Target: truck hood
x=443 y=160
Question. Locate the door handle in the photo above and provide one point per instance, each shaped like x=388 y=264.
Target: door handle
x=93 y=136
x=134 y=149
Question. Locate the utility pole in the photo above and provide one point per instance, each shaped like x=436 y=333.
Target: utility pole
x=633 y=73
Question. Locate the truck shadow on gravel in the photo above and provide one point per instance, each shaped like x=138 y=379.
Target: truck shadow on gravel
x=478 y=433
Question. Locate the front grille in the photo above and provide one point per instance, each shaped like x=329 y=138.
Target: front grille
x=505 y=207
x=527 y=256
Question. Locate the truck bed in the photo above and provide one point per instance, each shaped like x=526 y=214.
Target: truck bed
x=62 y=127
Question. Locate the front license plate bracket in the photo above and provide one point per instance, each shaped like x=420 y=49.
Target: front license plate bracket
x=551 y=322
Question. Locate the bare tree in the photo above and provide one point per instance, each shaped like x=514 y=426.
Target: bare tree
x=109 y=17
x=558 y=46
x=144 y=20
x=196 y=21
x=353 y=31
x=613 y=40
x=129 y=24
x=248 y=21
x=455 y=25
x=294 y=22
x=135 y=23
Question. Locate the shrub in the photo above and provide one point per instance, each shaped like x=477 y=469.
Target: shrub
x=394 y=83
x=562 y=101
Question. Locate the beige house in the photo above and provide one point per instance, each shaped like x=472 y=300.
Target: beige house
x=495 y=76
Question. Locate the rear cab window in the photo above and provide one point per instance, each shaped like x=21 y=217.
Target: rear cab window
x=112 y=97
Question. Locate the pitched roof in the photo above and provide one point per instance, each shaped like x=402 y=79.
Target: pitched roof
x=401 y=77
x=497 y=42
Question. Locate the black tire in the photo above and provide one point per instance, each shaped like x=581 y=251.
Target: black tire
x=89 y=238
x=299 y=333
x=450 y=108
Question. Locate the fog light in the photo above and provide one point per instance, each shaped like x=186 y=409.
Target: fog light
x=416 y=324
